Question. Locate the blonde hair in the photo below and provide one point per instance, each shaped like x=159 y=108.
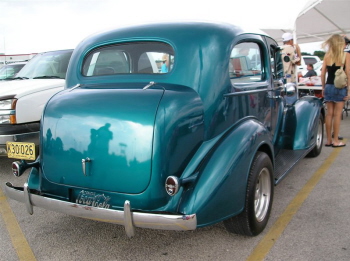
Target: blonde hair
x=335 y=48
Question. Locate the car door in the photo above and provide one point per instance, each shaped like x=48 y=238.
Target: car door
x=249 y=78
x=276 y=87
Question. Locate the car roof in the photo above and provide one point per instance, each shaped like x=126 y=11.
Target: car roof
x=194 y=43
x=172 y=32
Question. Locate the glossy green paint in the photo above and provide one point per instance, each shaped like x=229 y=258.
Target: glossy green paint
x=217 y=193
x=116 y=134
x=130 y=139
x=201 y=59
x=184 y=125
x=304 y=121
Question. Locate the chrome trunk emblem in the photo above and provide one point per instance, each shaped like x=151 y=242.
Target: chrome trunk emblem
x=93 y=199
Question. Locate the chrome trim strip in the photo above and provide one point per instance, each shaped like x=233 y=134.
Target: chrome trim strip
x=137 y=219
x=7 y=112
x=244 y=92
x=148 y=85
x=21 y=137
x=74 y=87
x=196 y=124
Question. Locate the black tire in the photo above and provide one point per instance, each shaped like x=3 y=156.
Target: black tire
x=319 y=139
x=253 y=220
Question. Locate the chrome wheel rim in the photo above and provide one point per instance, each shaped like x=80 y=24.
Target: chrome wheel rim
x=319 y=134
x=262 y=194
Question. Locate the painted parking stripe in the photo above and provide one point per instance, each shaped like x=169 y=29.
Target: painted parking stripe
x=19 y=242
x=268 y=241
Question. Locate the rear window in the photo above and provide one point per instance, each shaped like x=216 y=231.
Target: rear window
x=129 y=58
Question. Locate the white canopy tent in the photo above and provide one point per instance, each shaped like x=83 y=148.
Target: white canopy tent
x=317 y=21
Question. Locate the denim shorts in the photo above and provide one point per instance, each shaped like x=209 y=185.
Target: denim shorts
x=332 y=94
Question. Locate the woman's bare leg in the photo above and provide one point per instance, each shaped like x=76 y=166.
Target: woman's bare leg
x=329 y=121
x=338 y=110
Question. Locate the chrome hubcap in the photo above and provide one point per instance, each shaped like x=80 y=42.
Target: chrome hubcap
x=319 y=135
x=262 y=194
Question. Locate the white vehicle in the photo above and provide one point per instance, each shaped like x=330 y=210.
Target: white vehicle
x=308 y=59
x=23 y=98
x=317 y=68
x=10 y=70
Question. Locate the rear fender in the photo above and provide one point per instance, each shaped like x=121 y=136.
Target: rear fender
x=219 y=190
x=301 y=123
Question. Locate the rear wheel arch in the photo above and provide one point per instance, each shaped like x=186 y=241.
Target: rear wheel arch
x=229 y=161
x=258 y=198
x=267 y=149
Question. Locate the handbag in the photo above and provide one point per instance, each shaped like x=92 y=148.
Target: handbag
x=340 y=79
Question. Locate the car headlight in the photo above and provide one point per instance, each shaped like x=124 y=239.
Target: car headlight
x=7 y=111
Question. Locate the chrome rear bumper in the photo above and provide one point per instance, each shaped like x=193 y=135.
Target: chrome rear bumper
x=129 y=219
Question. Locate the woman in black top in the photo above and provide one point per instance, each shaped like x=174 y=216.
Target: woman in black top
x=333 y=96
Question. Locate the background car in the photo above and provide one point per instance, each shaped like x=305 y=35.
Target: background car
x=23 y=97
x=307 y=59
x=10 y=70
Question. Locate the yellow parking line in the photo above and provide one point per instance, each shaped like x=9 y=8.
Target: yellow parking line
x=268 y=241
x=19 y=241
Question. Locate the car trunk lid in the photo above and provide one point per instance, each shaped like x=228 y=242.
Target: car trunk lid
x=110 y=129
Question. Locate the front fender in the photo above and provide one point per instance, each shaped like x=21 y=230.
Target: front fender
x=301 y=123
x=219 y=191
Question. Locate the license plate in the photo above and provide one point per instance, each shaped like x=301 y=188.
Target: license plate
x=21 y=150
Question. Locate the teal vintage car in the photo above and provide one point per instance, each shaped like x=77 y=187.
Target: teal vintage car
x=171 y=126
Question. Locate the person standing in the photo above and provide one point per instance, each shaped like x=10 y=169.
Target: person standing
x=164 y=68
x=290 y=57
x=165 y=65
x=334 y=97
x=310 y=71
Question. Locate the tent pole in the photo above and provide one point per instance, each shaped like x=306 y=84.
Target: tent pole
x=296 y=42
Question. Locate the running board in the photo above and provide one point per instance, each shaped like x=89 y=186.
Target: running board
x=286 y=160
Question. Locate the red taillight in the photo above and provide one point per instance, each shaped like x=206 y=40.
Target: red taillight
x=16 y=169
x=172 y=185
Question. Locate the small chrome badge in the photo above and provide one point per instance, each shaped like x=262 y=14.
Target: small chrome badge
x=93 y=199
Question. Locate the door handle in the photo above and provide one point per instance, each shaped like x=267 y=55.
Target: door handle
x=83 y=164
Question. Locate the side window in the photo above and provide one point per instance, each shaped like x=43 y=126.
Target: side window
x=276 y=62
x=245 y=63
